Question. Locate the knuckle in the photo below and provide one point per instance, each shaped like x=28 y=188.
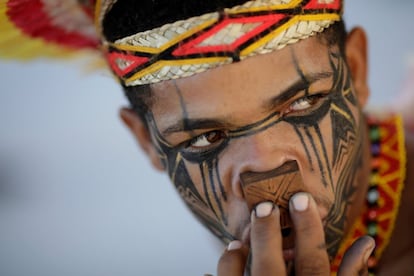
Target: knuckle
x=226 y=258
x=231 y=257
x=262 y=230
x=309 y=226
x=314 y=266
x=231 y=263
x=266 y=228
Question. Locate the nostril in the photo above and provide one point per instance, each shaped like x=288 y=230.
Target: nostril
x=238 y=191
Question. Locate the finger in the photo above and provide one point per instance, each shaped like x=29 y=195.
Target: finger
x=233 y=260
x=311 y=256
x=266 y=241
x=355 y=261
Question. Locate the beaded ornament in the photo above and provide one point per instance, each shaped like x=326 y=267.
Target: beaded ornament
x=388 y=171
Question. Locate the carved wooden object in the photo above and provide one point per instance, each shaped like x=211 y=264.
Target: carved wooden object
x=277 y=186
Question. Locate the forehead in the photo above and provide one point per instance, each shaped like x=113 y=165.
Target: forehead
x=238 y=87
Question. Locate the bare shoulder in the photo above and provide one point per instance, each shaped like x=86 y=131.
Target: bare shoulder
x=409 y=181
x=408 y=194
x=407 y=200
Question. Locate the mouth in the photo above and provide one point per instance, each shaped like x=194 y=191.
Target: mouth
x=286 y=232
x=288 y=243
x=286 y=225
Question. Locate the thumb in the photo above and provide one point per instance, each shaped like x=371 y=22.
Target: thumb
x=356 y=257
x=233 y=260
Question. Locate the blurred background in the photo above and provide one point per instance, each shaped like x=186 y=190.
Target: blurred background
x=77 y=196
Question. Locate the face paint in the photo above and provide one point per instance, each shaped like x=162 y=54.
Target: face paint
x=276 y=186
x=332 y=154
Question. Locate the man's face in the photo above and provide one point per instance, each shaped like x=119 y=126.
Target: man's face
x=295 y=104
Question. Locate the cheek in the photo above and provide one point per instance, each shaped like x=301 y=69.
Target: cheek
x=316 y=163
x=215 y=205
x=198 y=175
x=347 y=138
x=209 y=200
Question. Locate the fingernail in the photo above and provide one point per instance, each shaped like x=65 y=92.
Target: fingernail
x=369 y=252
x=234 y=245
x=300 y=201
x=264 y=209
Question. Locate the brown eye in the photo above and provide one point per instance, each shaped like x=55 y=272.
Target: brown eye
x=207 y=139
x=303 y=104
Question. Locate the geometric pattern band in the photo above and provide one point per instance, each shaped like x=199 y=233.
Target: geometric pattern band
x=187 y=47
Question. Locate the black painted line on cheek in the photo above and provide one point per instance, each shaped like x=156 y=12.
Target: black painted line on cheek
x=343 y=134
x=220 y=182
x=222 y=217
x=157 y=134
x=175 y=166
x=325 y=154
x=323 y=177
x=345 y=189
x=342 y=119
x=335 y=69
x=205 y=190
x=162 y=148
x=174 y=159
x=302 y=140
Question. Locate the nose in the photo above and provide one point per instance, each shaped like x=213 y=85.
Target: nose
x=262 y=151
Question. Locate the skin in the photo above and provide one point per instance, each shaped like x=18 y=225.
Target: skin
x=301 y=103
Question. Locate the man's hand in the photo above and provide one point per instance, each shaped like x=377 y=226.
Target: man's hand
x=309 y=255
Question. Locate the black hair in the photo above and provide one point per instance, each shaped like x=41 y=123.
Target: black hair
x=127 y=17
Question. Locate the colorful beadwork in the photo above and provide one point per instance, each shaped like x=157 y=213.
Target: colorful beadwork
x=383 y=196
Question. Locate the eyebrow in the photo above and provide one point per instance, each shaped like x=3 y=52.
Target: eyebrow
x=295 y=88
x=188 y=125
x=193 y=124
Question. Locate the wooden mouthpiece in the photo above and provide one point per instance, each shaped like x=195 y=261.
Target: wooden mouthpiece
x=277 y=186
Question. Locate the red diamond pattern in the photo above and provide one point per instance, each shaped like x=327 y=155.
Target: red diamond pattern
x=193 y=46
x=323 y=4
x=122 y=64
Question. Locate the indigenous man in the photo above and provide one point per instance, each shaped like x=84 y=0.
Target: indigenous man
x=254 y=109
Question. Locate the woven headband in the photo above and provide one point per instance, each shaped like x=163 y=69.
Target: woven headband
x=200 y=43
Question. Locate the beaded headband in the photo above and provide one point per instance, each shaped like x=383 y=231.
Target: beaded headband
x=191 y=46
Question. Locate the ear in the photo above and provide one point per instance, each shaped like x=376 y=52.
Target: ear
x=357 y=59
x=142 y=135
